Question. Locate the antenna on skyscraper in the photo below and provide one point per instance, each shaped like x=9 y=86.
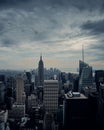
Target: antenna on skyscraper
x=82 y=52
x=41 y=56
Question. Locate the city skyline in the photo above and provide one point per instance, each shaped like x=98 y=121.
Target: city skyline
x=55 y=28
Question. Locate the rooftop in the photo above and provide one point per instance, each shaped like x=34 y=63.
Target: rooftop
x=81 y=96
x=50 y=81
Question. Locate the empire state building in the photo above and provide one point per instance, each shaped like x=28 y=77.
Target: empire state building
x=41 y=72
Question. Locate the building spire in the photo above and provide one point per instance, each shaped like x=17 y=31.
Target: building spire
x=82 y=52
x=40 y=71
x=41 y=56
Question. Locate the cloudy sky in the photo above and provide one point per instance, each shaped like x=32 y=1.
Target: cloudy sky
x=55 y=28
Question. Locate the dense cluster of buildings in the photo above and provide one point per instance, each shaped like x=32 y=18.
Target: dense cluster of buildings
x=52 y=100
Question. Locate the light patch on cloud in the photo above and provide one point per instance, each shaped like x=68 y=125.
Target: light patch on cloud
x=97 y=65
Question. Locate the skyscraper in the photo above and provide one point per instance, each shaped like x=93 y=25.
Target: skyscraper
x=19 y=90
x=41 y=72
x=77 y=113
x=85 y=75
x=99 y=77
x=50 y=97
x=82 y=64
x=101 y=106
x=85 y=78
x=2 y=92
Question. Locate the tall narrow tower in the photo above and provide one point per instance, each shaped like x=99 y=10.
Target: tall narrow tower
x=41 y=71
x=83 y=53
x=20 y=90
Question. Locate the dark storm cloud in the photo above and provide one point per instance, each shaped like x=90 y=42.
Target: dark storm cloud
x=96 y=50
x=98 y=57
x=95 y=27
x=79 y=4
x=7 y=42
x=11 y=1
x=98 y=47
x=1 y=28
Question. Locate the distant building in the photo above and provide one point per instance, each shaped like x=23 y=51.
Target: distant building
x=88 y=90
x=20 y=95
x=2 y=92
x=3 y=78
x=32 y=101
x=50 y=97
x=28 y=89
x=48 y=122
x=60 y=117
x=40 y=93
x=3 y=115
x=101 y=106
x=63 y=77
x=10 y=83
x=99 y=77
x=41 y=72
x=76 y=84
x=36 y=81
x=27 y=93
x=17 y=112
x=93 y=110
x=28 y=75
x=2 y=126
x=3 y=119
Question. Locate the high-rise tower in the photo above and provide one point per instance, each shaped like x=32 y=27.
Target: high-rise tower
x=20 y=95
x=41 y=71
x=50 y=98
x=85 y=73
x=86 y=79
x=82 y=64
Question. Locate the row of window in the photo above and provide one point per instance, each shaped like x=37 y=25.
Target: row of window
x=50 y=102
x=51 y=89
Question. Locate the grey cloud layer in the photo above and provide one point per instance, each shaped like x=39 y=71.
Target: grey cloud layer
x=95 y=27
x=45 y=23
x=36 y=25
x=79 y=4
x=99 y=46
x=51 y=24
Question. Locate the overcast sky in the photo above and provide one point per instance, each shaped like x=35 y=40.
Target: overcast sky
x=55 y=28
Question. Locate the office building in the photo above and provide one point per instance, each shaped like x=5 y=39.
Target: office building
x=32 y=101
x=3 y=115
x=50 y=97
x=82 y=64
x=2 y=92
x=28 y=75
x=76 y=84
x=40 y=72
x=10 y=83
x=86 y=79
x=28 y=89
x=48 y=122
x=17 y=112
x=101 y=106
x=75 y=112
x=20 y=95
x=3 y=119
x=99 y=77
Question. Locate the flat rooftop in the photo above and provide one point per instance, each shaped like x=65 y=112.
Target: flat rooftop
x=50 y=81
x=82 y=96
